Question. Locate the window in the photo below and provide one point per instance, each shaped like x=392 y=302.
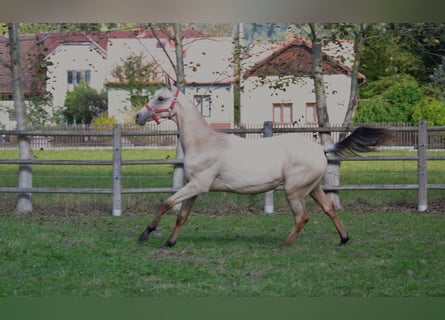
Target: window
x=311 y=113
x=282 y=112
x=74 y=77
x=160 y=44
x=203 y=103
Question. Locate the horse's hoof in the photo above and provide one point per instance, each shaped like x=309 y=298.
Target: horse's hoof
x=143 y=237
x=169 y=244
x=284 y=245
x=343 y=241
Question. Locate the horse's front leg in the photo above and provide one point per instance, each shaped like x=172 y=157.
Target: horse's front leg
x=190 y=190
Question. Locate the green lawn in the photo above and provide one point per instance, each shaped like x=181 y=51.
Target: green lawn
x=389 y=255
x=71 y=246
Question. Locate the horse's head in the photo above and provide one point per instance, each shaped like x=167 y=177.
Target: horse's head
x=161 y=106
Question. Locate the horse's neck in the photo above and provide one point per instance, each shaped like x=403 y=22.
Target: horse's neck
x=193 y=128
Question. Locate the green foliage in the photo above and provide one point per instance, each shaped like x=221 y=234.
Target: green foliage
x=390 y=99
x=137 y=76
x=430 y=109
x=387 y=52
x=135 y=72
x=437 y=85
x=37 y=114
x=84 y=103
x=104 y=120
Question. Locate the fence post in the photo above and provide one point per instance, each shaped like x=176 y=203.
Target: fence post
x=117 y=170
x=268 y=196
x=422 y=147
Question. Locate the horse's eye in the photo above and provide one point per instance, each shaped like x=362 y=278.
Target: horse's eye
x=160 y=99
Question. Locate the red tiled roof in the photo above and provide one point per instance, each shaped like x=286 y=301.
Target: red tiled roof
x=187 y=33
x=295 y=58
x=33 y=71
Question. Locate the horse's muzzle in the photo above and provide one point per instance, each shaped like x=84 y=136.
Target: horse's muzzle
x=138 y=119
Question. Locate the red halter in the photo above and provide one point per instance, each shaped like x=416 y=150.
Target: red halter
x=169 y=109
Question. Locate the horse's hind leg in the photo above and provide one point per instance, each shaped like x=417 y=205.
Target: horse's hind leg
x=183 y=214
x=301 y=218
x=153 y=224
x=328 y=207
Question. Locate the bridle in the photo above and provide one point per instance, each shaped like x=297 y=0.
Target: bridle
x=169 y=109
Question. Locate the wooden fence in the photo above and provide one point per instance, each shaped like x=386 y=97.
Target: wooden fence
x=405 y=135
x=116 y=136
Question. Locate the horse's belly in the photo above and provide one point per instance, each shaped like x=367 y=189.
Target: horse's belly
x=246 y=184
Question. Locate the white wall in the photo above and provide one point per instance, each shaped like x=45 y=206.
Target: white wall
x=222 y=102
x=119 y=105
x=257 y=99
x=207 y=63
x=73 y=57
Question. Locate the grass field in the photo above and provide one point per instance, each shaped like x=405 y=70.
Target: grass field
x=70 y=246
x=391 y=254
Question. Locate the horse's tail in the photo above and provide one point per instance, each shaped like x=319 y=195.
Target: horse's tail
x=362 y=139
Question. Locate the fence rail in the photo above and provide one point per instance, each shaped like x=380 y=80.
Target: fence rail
x=117 y=136
x=404 y=135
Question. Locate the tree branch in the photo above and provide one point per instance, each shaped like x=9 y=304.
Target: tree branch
x=150 y=25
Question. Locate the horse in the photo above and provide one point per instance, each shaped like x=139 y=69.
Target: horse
x=216 y=161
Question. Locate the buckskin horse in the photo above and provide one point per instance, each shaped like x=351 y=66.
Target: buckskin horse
x=215 y=161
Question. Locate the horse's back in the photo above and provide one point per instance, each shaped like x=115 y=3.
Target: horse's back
x=283 y=149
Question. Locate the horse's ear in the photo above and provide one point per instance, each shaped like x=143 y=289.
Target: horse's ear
x=168 y=82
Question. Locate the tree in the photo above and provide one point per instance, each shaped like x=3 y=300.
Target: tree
x=437 y=85
x=175 y=34
x=137 y=76
x=24 y=202
x=426 y=41
x=84 y=103
x=386 y=53
x=134 y=72
x=332 y=176
x=359 y=32
x=389 y=99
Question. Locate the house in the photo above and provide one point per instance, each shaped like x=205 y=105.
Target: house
x=33 y=78
x=74 y=57
x=53 y=64
x=69 y=58
x=207 y=66
x=275 y=80
x=279 y=88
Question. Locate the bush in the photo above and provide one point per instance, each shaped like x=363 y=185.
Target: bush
x=104 y=121
x=84 y=103
x=430 y=109
x=389 y=100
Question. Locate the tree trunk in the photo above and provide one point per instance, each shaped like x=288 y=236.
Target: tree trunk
x=332 y=176
x=359 y=43
x=24 y=201
x=179 y=57
x=237 y=72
